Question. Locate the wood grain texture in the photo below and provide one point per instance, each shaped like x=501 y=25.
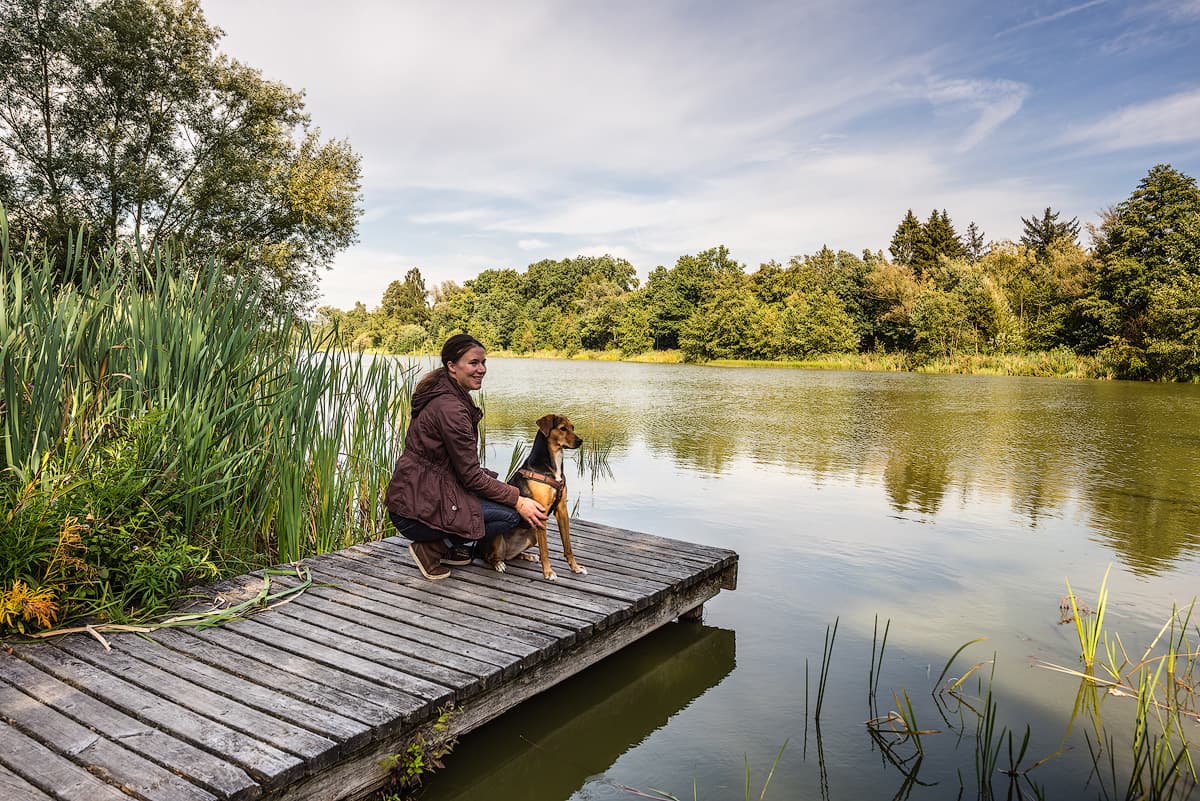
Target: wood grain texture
x=302 y=700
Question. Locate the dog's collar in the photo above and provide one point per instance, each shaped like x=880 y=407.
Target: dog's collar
x=541 y=478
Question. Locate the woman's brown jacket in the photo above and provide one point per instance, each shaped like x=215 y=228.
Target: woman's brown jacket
x=438 y=476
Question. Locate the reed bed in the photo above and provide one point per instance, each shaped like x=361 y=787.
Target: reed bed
x=160 y=427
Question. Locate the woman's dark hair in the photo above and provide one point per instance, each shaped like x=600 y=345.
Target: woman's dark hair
x=452 y=351
x=457 y=345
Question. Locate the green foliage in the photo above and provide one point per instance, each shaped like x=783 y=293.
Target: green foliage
x=908 y=239
x=122 y=117
x=150 y=424
x=1042 y=232
x=421 y=755
x=815 y=323
x=720 y=328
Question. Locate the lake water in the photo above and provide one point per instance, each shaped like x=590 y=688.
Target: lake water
x=953 y=506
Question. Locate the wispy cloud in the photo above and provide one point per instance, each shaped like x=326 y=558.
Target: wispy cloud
x=1171 y=119
x=994 y=101
x=1057 y=15
x=532 y=244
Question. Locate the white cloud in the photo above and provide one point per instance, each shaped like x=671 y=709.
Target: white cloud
x=453 y=217
x=993 y=101
x=1057 y=15
x=532 y=244
x=1166 y=120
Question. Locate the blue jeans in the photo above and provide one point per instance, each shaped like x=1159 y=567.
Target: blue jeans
x=497 y=519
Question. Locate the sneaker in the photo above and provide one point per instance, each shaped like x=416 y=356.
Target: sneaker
x=428 y=556
x=459 y=555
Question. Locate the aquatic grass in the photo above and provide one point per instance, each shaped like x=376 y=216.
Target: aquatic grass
x=1089 y=624
x=876 y=667
x=826 y=660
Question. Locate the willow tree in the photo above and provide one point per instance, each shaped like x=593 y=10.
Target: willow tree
x=121 y=118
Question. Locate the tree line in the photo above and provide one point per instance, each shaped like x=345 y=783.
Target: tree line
x=1131 y=298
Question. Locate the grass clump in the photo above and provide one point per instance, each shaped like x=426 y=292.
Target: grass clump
x=159 y=427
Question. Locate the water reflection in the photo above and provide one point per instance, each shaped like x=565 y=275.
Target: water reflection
x=552 y=744
x=1122 y=455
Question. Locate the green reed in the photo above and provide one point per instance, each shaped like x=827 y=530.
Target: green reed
x=267 y=444
x=1089 y=623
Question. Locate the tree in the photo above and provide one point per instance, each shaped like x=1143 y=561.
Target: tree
x=721 y=326
x=1041 y=233
x=1148 y=241
x=121 y=117
x=940 y=240
x=407 y=301
x=816 y=323
x=907 y=240
x=975 y=245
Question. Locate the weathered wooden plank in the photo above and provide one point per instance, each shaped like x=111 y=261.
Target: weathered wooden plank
x=446 y=608
x=526 y=607
x=49 y=772
x=327 y=696
x=14 y=788
x=413 y=626
x=271 y=766
x=126 y=769
x=435 y=618
x=681 y=547
x=211 y=772
x=356 y=778
x=342 y=653
x=318 y=751
x=378 y=646
x=636 y=593
x=348 y=734
x=645 y=557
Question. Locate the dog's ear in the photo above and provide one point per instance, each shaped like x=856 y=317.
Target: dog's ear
x=546 y=422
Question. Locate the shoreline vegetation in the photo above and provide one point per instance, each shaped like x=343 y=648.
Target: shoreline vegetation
x=1060 y=363
x=161 y=428
x=1127 y=306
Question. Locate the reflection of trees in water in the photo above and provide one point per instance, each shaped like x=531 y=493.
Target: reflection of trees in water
x=1146 y=506
x=1129 y=454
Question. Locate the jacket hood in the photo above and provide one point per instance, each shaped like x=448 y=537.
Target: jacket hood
x=445 y=385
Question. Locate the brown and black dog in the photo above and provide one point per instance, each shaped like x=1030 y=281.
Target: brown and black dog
x=540 y=477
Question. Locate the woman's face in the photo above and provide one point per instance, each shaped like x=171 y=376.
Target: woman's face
x=470 y=369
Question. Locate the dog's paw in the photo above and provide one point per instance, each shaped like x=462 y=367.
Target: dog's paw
x=528 y=557
x=577 y=568
x=500 y=567
x=550 y=575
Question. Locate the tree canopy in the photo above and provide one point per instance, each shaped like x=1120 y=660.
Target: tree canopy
x=1132 y=302
x=121 y=118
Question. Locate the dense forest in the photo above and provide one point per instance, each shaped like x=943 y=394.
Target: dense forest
x=1130 y=298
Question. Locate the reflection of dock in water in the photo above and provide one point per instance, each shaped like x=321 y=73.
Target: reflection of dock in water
x=302 y=701
x=561 y=738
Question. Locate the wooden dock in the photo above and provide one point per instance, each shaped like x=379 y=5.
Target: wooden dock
x=303 y=700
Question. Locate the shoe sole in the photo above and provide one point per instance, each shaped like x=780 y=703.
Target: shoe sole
x=421 y=567
x=458 y=562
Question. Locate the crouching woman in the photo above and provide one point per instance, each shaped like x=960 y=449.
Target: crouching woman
x=440 y=497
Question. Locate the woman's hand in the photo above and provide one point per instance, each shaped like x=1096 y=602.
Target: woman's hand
x=531 y=512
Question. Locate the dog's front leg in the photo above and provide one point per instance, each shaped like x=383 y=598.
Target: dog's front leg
x=544 y=553
x=564 y=530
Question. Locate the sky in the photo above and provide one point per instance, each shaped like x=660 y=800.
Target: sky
x=498 y=134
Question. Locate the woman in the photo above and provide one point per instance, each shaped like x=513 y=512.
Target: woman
x=439 y=496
